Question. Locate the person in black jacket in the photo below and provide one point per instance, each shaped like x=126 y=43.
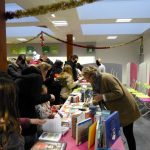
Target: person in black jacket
x=53 y=85
x=29 y=95
x=72 y=62
x=15 y=68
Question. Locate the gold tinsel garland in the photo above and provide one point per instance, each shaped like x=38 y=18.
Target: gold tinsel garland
x=41 y=10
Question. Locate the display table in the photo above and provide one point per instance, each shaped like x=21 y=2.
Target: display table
x=144 y=105
x=71 y=143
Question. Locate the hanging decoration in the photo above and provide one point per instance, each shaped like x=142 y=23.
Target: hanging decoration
x=78 y=45
x=42 y=39
x=44 y=9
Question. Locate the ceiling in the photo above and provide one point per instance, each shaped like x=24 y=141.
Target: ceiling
x=89 y=23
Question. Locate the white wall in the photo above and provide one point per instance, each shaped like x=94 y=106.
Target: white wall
x=120 y=55
x=146 y=45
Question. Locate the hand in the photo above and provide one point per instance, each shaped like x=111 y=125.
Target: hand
x=51 y=116
x=52 y=98
x=37 y=121
x=98 y=97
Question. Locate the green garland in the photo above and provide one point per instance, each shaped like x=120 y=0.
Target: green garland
x=41 y=10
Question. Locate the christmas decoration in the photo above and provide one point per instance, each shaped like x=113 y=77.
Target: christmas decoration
x=43 y=9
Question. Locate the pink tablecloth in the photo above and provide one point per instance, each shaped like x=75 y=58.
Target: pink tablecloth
x=145 y=99
x=71 y=144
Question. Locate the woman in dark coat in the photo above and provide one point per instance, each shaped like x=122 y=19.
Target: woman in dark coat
x=29 y=95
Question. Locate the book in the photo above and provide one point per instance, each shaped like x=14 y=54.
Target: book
x=82 y=130
x=99 y=135
x=44 y=145
x=111 y=129
x=91 y=136
x=47 y=136
x=77 y=117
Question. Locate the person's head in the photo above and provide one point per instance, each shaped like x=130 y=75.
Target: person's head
x=79 y=66
x=74 y=58
x=44 y=67
x=89 y=72
x=68 y=69
x=8 y=112
x=98 y=62
x=21 y=59
x=58 y=63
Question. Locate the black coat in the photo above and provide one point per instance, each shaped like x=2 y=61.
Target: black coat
x=74 y=71
x=29 y=95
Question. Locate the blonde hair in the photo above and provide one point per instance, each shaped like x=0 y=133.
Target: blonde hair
x=68 y=69
x=43 y=66
x=89 y=70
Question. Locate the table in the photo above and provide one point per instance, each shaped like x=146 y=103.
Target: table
x=143 y=104
x=71 y=145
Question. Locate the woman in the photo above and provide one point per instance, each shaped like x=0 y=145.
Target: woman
x=10 y=131
x=29 y=95
x=67 y=82
x=109 y=90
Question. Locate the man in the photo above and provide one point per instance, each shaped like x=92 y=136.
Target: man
x=109 y=90
x=101 y=67
x=72 y=62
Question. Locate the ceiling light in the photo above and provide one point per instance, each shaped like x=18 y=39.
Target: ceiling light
x=74 y=38
x=123 y=20
x=53 y=15
x=111 y=37
x=60 y=23
x=22 y=39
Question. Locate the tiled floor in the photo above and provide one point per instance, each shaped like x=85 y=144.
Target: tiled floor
x=142 y=133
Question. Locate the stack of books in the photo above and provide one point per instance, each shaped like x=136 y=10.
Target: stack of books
x=45 y=145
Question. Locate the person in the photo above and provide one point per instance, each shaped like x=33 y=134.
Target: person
x=101 y=67
x=67 y=82
x=10 y=123
x=53 y=85
x=72 y=62
x=15 y=68
x=10 y=131
x=109 y=90
x=29 y=95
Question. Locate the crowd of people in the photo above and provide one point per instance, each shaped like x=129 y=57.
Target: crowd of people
x=28 y=90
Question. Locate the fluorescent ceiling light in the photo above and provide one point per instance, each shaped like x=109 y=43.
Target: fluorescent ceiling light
x=123 y=20
x=111 y=37
x=22 y=39
x=60 y=23
x=14 y=7
x=112 y=9
x=115 y=28
x=53 y=15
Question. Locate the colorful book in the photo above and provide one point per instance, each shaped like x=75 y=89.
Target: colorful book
x=91 y=136
x=82 y=130
x=75 y=119
x=43 y=145
x=47 y=136
x=99 y=135
x=111 y=129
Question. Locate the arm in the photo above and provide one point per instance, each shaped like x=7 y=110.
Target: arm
x=111 y=89
x=28 y=121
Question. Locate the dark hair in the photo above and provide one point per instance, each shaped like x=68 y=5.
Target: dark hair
x=73 y=57
x=21 y=58
x=58 y=63
x=79 y=66
x=30 y=70
x=8 y=110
